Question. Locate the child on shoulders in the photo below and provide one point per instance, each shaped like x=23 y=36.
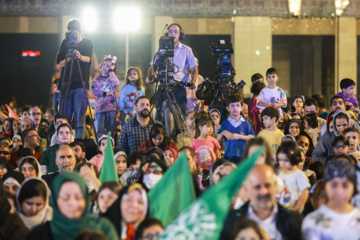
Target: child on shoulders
x=347 y=92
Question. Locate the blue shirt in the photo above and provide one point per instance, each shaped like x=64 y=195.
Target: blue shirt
x=235 y=148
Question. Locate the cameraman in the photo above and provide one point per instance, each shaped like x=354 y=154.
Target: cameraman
x=75 y=102
x=183 y=58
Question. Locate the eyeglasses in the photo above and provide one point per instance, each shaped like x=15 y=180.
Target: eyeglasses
x=4 y=152
x=340 y=146
x=35 y=135
x=36 y=114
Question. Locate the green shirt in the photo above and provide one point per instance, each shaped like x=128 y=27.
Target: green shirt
x=49 y=157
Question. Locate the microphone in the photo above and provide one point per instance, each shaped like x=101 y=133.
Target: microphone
x=164 y=29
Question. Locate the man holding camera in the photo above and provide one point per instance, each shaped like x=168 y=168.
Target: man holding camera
x=183 y=58
x=74 y=101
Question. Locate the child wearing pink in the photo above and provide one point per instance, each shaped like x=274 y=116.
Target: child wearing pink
x=98 y=159
x=206 y=147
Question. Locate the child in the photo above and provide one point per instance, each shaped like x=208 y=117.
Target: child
x=347 y=92
x=158 y=139
x=108 y=193
x=353 y=135
x=311 y=125
x=337 y=218
x=206 y=147
x=257 y=77
x=216 y=117
x=298 y=104
x=271 y=133
x=340 y=145
x=130 y=92
x=254 y=111
x=272 y=96
x=103 y=88
x=236 y=130
x=25 y=113
x=294 y=192
x=98 y=159
x=170 y=156
x=56 y=100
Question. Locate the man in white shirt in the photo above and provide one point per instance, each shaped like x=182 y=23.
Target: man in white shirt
x=278 y=222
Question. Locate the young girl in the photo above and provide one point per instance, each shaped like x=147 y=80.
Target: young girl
x=294 y=192
x=216 y=117
x=30 y=167
x=98 y=159
x=32 y=202
x=103 y=88
x=206 y=147
x=337 y=218
x=130 y=92
x=108 y=193
x=254 y=111
x=16 y=127
x=311 y=124
x=298 y=105
x=158 y=139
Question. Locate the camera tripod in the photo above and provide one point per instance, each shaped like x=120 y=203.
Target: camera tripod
x=171 y=113
x=65 y=88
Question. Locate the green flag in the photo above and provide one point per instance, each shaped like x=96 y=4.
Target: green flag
x=173 y=193
x=108 y=170
x=204 y=218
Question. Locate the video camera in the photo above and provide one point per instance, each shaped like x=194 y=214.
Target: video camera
x=71 y=42
x=163 y=66
x=223 y=85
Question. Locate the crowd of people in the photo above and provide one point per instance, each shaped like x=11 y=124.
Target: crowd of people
x=305 y=185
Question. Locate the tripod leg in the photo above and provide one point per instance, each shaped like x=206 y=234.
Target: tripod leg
x=87 y=105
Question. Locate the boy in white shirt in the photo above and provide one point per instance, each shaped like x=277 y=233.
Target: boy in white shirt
x=337 y=218
x=272 y=96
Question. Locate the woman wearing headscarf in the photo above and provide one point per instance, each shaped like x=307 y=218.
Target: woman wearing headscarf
x=294 y=127
x=32 y=202
x=128 y=211
x=30 y=167
x=11 y=226
x=12 y=181
x=70 y=202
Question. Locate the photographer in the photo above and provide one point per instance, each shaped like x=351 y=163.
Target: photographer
x=183 y=58
x=75 y=102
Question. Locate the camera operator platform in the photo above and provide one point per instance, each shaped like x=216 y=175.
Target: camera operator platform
x=74 y=59
x=183 y=58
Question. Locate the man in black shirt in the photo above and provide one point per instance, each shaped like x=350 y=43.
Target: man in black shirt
x=76 y=101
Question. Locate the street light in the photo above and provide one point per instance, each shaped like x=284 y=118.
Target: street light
x=126 y=19
x=89 y=19
x=294 y=7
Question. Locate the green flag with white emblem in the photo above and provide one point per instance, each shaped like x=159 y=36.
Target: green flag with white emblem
x=203 y=219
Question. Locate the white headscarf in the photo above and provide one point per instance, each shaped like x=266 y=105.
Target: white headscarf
x=46 y=214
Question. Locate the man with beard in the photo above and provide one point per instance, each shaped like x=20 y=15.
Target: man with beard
x=337 y=103
x=278 y=222
x=185 y=139
x=35 y=115
x=136 y=131
x=80 y=152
